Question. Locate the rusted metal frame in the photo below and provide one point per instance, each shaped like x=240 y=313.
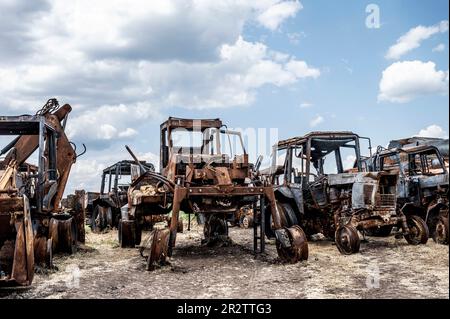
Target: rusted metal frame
x=308 y=164
x=65 y=153
x=288 y=166
x=102 y=186
x=41 y=166
x=338 y=157
x=116 y=177
x=179 y=195
x=236 y=133
x=231 y=191
x=173 y=123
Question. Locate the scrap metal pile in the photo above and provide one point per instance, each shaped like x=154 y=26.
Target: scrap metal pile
x=307 y=190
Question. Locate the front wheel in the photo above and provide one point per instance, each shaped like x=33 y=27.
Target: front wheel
x=297 y=248
x=418 y=231
x=347 y=240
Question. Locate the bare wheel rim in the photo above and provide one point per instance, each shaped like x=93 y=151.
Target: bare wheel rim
x=347 y=240
x=299 y=246
x=158 y=248
x=418 y=231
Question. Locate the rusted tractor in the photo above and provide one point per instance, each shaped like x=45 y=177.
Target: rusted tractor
x=316 y=190
x=200 y=175
x=32 y=224
x=422 y=188
x=107 y=207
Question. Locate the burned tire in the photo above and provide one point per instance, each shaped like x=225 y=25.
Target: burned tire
x=128 y=234
x=382 y=231
x=298 y=251
x=98 y=220
x=291 y=217
x=64 y=235
x=269 y=230
x=347 y=240
x=418 y=231
x=440 y=235
x=43 y=251
x=215 y=229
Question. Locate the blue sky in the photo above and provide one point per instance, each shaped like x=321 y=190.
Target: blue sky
x=336 y=38
x=293 y=65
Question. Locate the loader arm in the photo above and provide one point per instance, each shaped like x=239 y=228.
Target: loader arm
x=26 y=145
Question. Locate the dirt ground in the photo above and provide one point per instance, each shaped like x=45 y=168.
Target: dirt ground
x=385 y=268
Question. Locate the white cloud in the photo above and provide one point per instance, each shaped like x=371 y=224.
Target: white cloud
x=413 y=38
x=107 y=124
x=274 y=15
x=316 y=121
x=129 y=132
x=195 y=58
x=86 y=172
x=295 y=37
x=403 y=81
x=433 y=131
x=121 y=64
x=439 y=48
x=305 y=105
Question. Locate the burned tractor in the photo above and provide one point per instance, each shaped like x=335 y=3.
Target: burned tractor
x=422 y=188
x=201 y=173
x=315 y=190
x=107 y=207
x=32 y=223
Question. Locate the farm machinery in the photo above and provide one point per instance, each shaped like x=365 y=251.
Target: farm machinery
x=33 y=225
x=422 y=188
x=106 y=206
x=202 y=173
x=316 y=190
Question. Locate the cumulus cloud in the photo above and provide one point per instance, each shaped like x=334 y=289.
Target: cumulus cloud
x=274 y=15
x=403 y=81
x=95 y=54
x=316 y=121
x=107 y=124
x=413 y=38
x=433 y=131
x=439 y=48
x=87 y=171
x=121 y=63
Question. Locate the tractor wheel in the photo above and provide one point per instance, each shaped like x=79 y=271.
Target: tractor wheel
x=289 y=212
x=63 y=234
x=98 y=220
x=158 y=248
x=215 y=230
x=347 y=240
x=127 y=233
x=441 y=231
x=43 y=251
x=418 y=231
x=298 y=250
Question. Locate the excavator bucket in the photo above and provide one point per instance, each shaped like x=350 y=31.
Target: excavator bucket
x=16 y=243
